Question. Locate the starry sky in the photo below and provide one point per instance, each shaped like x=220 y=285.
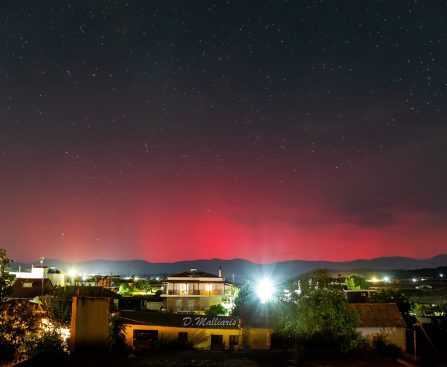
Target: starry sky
x=266 y=130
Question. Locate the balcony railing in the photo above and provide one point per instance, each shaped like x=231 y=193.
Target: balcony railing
x=177 y=292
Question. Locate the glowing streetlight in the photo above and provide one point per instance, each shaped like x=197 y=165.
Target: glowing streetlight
x=265 y=290
x=72 y=274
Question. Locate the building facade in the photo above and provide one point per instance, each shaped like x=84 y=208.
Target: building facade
x=381 y=319
x=42 y=272
x=193 y=291
x=143 y=330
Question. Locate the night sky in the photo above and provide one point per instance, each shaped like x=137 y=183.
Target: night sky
x=180 y=130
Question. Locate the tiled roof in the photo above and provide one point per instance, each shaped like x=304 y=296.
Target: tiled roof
x=90 y=291
x=193 y=273
x=378 y=314
x=30 y=288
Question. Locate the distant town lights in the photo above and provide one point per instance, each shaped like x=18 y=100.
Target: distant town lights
x=386 y=279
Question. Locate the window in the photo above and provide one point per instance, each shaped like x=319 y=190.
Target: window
x=234 y=340
x=144 y=339
x=182 y=337
x=217 y=342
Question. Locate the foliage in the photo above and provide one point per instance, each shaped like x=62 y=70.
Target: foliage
x=17 y=320
x=356 y=282
x=48 y=341
x=317 y=314
x=7 y=350
x=429 y=310
x=4 y=281
x=125 y=289
x=385 y=348
x=4 y=261
x=58 y=305
x=215 y=310
x=393 y=296
x=116 y=334
x=142 y=285
x=138 y=286
x=244 y=300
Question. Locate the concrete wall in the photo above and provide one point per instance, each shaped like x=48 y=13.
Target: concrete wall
x=394 y=335
x=89 y=323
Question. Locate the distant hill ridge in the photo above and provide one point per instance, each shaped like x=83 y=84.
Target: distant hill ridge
x=241 y=268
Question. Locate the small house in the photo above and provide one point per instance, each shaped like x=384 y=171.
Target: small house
x=381 y=319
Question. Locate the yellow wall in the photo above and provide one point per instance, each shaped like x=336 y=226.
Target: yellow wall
x=249 y=338
x=256 y=338
x=200 y=338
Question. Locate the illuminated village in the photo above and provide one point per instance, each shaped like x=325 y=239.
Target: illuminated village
x=62 y=315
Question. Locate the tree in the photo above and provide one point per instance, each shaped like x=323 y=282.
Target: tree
x=125 y=289
x=356 y=282
x=116 y=334
x=48 y=341
x=244 y=300
x=316 y=314
x=142 y=285
x=4 y=262
x=17 y=319
x=58 y=305
x=215 y=310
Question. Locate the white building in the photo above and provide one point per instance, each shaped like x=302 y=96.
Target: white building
x=43 y=272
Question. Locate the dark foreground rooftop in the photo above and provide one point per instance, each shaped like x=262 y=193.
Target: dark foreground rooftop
x=212 y=359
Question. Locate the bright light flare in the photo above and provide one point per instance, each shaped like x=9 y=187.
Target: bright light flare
x=265 y=290
x=72 y=273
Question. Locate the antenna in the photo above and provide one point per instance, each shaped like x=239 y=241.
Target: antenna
x=41 y=260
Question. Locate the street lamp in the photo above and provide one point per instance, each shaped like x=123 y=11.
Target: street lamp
x=265 y=290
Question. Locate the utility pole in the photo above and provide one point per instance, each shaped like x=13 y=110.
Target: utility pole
x=43 y=273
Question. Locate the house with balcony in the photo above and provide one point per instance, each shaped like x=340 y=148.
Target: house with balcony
x=194 y=290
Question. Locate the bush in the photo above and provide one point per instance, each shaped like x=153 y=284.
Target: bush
x=385 y=348
x=7 y=350
x=46 y=342
x=116 y=334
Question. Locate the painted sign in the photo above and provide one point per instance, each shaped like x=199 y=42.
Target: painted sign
x=216 y=322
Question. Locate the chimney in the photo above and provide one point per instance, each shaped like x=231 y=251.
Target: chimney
x=220 y=272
